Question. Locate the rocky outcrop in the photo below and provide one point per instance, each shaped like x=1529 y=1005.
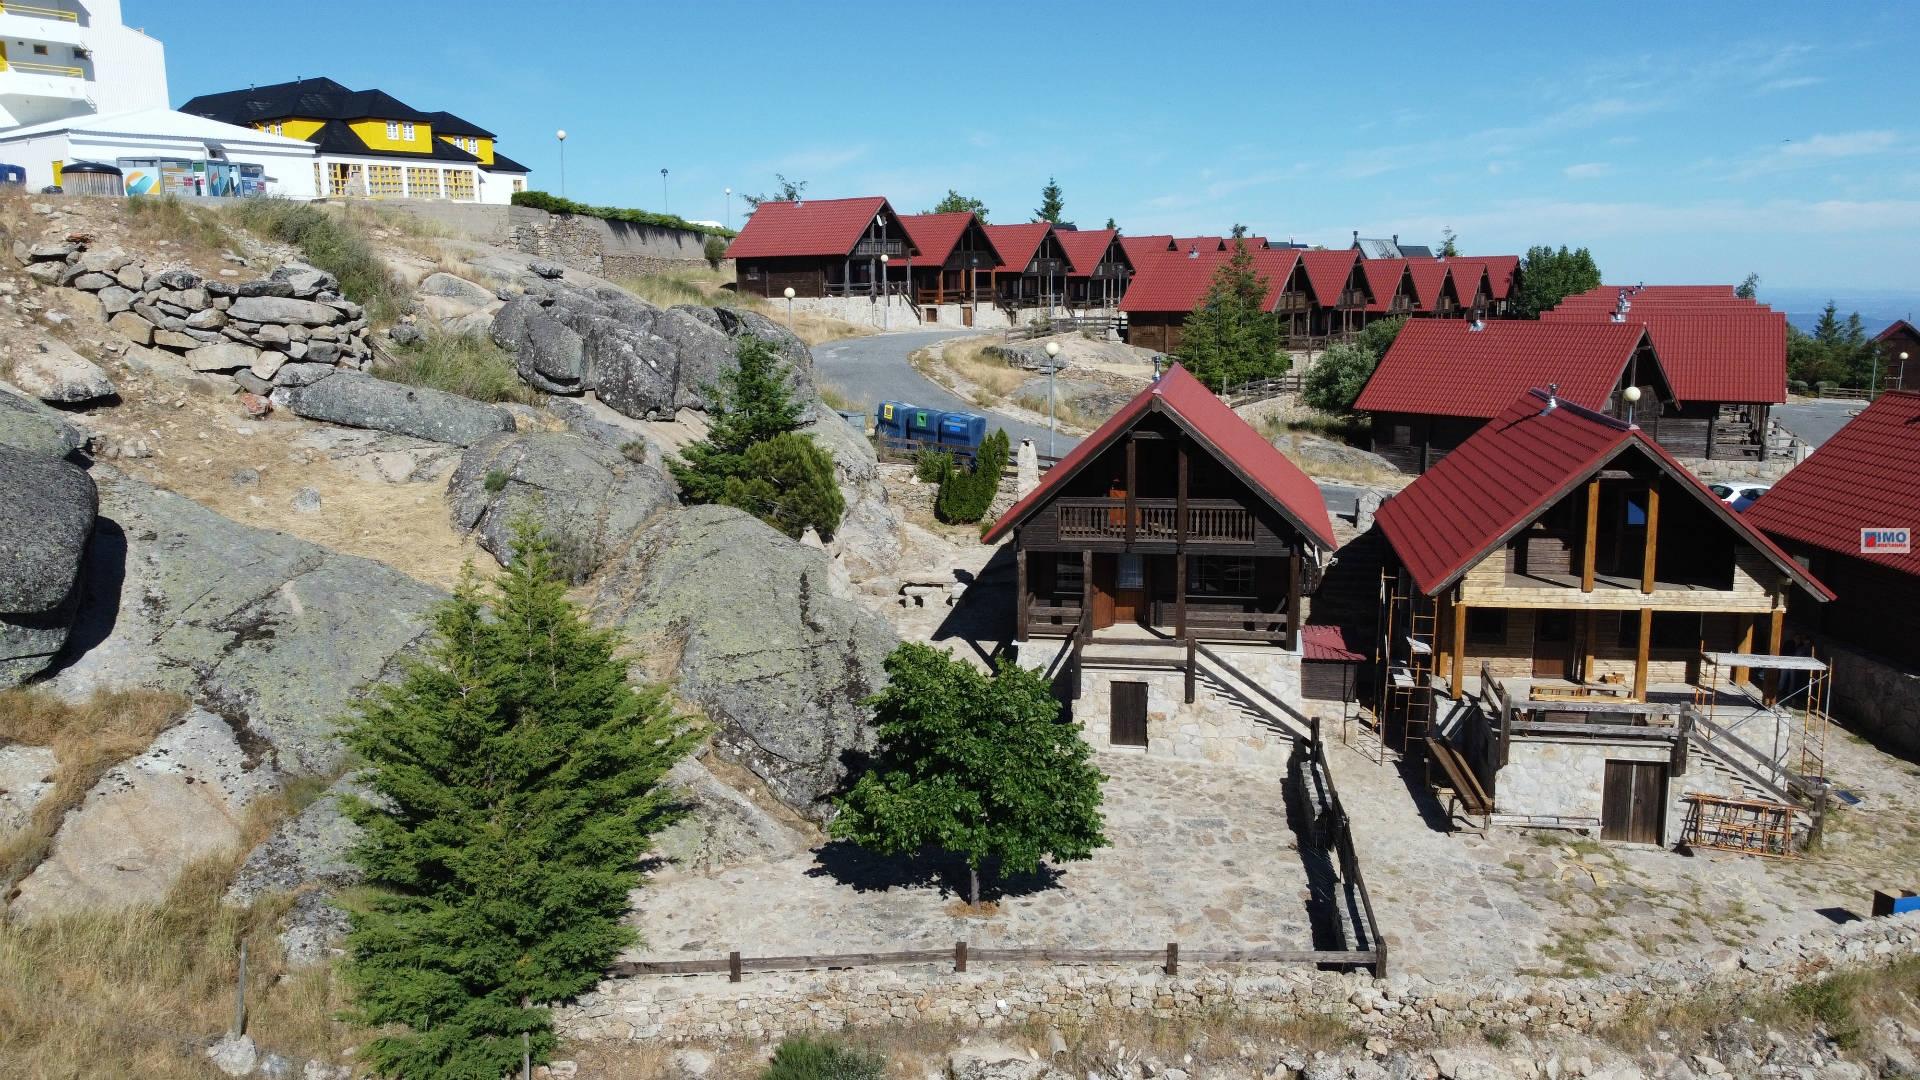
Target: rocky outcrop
x=868 y=540
x=47 y=511
x=310 y=848
x=642 y=360
x=26 y=777
x=363 y=401
x=53 y=372
x=584 y=495
x=277 y=636
x=722 y=827
x=780 y=665
x=181 y=800
x=29 y=426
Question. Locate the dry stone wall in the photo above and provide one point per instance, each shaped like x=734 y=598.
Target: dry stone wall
x=772 y=1006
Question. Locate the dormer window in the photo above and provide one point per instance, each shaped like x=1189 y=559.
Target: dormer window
x=393 y=130
x=406 y=132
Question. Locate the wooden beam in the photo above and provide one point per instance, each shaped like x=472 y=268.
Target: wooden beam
x=1592 y=549
x=1777 y=623
x=1459 y=648
x=1086 y=593
x=1747 y=621
x=1293 y=598
x=1026 y=601
x=1640 y=654
x=1587 y=636
x=1653 y=529
x=1180 y=502
x=1133 y=485
x=1180 y=593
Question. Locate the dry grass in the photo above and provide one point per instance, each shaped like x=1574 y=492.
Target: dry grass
x=1066 y=414
x=1845 y=1006
x=972 y=362
x=710 y=288
x=469 y=365
x=197 y=230
x=87 y=739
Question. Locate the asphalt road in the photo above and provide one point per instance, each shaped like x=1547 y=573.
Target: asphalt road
x=1814 y=422
x=875 y=369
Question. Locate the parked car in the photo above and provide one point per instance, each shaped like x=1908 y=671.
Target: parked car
x=1739 y=495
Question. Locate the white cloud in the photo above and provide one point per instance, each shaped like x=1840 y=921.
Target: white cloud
x=1587 y=170
x=1849 y=144
x=1795 y=82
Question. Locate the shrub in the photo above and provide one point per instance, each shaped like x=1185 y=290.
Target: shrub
x=803 y=1058
x=635 y=451
x=1378 y=336
x=787 y=481
x=332 y=243
x=466 y=364
x=715 y=250
x=965 y=497
x=933 y=466
x=496 y=481
x=1336 y=379
x=553 y=204
x=170 y=218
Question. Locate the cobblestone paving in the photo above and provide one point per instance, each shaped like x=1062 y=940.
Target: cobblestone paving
x=1202 y=855
x=1555 y=903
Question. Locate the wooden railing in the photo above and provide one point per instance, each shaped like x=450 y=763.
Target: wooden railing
x=961 y=955
x=1330 y=827
x=1209 y=521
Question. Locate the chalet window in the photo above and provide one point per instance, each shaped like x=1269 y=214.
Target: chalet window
x=406 y=132
x=1131 y=573
x=1219 y=575
x=1069 y=577
x=393 y=129
x=1486 y=626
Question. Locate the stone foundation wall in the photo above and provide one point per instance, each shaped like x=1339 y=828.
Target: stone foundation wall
x=1214 y=728
x=595 y=245
x=1558 y=783
x=1875 y=699
x=772 y=1006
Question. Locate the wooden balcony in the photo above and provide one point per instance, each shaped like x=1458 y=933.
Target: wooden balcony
x=892 y=249
x=1292 y=301
x=1209 y=521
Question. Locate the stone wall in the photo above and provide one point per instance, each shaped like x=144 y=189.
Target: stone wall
x=771 y=1006
x=595 y=245
x=1558 y=783
x=1875 y=698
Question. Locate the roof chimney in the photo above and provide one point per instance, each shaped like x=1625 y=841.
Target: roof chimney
x=1396 y=239
x=1553 y=398
x=1476 y=325
x=1193 y=252
x=1356 y=236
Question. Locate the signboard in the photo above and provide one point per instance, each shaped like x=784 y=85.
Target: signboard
x=1886 y=541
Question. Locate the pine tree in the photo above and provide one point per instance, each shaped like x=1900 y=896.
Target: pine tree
x=1231 y=337
x=787 y=481
x=1749 y=288
x=1449 y=243
x=517 y=777
x=751 y=406
x=956 y=203
x=979 y=766
x=1111 y=224
x=1051 y=204
x=965 y=496
x=1238 y=231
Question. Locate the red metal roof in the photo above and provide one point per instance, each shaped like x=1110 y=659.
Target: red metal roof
x=1444 y=367
x=1084 y=248
x=1429 y=280
x=1727 y=354
x=935 y=234
x=1383 y=279
x=1501 y=271
x=1511 y=471
x=1216 y=427
x=1138 y=247
x=1861 y=478
x=1174 y=281
x=1016 y=244
x=810 y=227
x=1327 y=272
x=1466 y=274
x=1321 y=642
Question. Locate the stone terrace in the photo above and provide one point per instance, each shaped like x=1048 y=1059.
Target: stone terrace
x=1201 y=854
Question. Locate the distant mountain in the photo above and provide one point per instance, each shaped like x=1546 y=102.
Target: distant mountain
x=1877 y=308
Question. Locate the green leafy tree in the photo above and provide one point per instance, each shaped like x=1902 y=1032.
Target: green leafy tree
x=966 y=495
x=956 y=203
x=787 y=481
x=1378 y=336
x=1231 y=337
x=785 y=190
x=1749 y=288
x=518 y=777
x=1111 y=224
x=1548 y=276
x=1051 y=203
x=1238 y=231
x=1336 y=379
x=979 y=766
x=1449 y=243
x=752 y=406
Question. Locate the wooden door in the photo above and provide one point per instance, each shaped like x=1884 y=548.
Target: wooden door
x=1633 y=802
x=1103 y=573
x=1552 y=644
x=1128 y=723
x=1130 y=589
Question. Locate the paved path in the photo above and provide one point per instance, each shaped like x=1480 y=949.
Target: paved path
x=1814 y=422
x=875 y=369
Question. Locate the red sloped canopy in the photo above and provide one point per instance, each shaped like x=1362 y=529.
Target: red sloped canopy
x=1861 y=478
x=1383 y=280
x=936 y=234
x=1218 y=429
x=1174 y=281
x=1429 y=279
x=1084 y=248
x=1327 y=272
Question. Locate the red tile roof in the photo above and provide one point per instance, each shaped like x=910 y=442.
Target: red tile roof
x=1861 y=478
x=1501 y=271
x=1016 y=244
x=1466 y=274
x=1321 y=642
x=811 y=227
x=1174 y=281
x=935 y=234
x=1512 y=470
x=1084 y=248
x=1327 y=272
x=1429 y=280
x=1141 y=246
x=1383 y=278
x=1218 y=429
x=1724 y=354
x=1444 y=367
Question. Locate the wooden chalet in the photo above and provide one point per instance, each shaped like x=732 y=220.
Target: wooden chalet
x=1168 y=286
x=954 y=251
x=819 y=247
x=1899 y=346
x=1389 y=288
x=1472 y=286
x=1433 y=288
x=1443 y=379
x=1098 y=267
x=1863 y=478
x=1174 y=515
x=1032 y=266
x=1503 y=283
x=1341 y=292
x=1563 y=568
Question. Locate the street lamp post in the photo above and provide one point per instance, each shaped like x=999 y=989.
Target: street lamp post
x=562 y=136
x=728 y=192
x=789 y=309
x=1902 y=377
x=665 y=206
x=1053 y=365
x=885 y=301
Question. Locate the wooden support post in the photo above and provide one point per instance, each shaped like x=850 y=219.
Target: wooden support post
x=1459 y=664
x=1587 y=637
x=733 y=967
x=1741 y=674
x=1133 y=486
x=1180 y=500
x=1180 y=594
x=1640 y=654
x=1777 y=623
x=1653 y=529
x=240 y=995
x=1592 y=550
x=1086 y=593
x=1024 y=600
x=1190 y=668
x=1173 y=958
x=1293 y=598
x=960 y=956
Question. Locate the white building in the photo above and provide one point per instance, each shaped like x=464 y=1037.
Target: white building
x=68 y=58
x=160 y=151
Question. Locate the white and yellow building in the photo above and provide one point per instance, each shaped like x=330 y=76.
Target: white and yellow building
x=61 y=59
x=371 y=144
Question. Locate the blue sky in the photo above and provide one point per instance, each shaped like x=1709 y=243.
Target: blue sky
x=1681 y=142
